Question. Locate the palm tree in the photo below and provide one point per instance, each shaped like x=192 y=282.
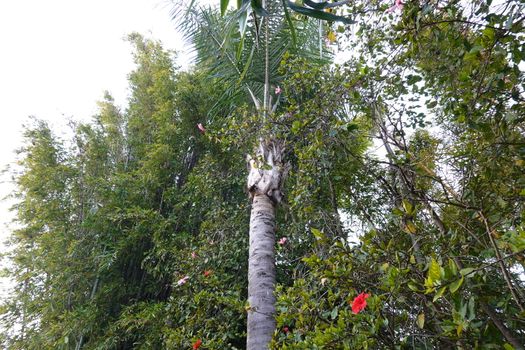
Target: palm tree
x=242 y=61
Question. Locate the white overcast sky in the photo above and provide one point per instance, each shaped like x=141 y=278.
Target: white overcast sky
x=58 y=56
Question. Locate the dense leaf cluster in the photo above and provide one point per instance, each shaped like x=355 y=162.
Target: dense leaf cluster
x=405 y=180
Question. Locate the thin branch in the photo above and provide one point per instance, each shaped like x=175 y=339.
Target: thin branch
x=504 y=330
x=504 y=270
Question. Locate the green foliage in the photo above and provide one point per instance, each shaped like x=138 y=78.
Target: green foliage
x=109 y=221
x=436 y=214
x=404 y=181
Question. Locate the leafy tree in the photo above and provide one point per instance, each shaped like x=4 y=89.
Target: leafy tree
x=238 y=61
x=401 y=217
x=431 y=258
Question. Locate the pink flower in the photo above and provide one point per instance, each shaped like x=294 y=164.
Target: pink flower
x=278 y=90
x=286 y=329
x=397 y=5
x=183 y=280
x=201 y=128
x=283 y=241
x=359 y=303
x=193 y=255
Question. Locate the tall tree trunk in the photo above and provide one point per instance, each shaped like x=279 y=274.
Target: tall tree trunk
x=264 y=184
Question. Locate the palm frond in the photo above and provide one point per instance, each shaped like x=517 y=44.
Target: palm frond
x=236 y=59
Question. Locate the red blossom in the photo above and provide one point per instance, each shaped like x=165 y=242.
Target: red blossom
x=286 y=329
x=359 y=303
x=197 y=344
x=206 y=273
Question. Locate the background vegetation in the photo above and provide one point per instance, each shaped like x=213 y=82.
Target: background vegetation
x=405 y=181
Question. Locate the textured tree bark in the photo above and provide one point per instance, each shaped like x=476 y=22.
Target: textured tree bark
x=261 y=274
x=264 y=184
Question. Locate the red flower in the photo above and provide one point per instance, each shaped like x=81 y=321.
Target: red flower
x=359 y=303
x=286 y=329
x=206 y=273
x=197 y=344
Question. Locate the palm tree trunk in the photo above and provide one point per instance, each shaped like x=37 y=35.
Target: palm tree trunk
x=261 y=273
x=264 y=184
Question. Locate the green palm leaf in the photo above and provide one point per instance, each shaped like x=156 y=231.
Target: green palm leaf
x=236 y=59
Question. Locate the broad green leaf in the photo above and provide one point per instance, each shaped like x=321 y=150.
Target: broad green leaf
x=413 y=287
x=331 y=37
x=409 y=208
x=434 y=271
x=296 y=126
x=410 y=227
x=431 y=104
x=439 y=293
x=454 y=286
x=317 y=234
x=452 y=267
x=466 y=271
x=397 y=212
x=333 y=314
x=489 y=33
x=459 y=329
x=421 y=320
x=471 y=308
